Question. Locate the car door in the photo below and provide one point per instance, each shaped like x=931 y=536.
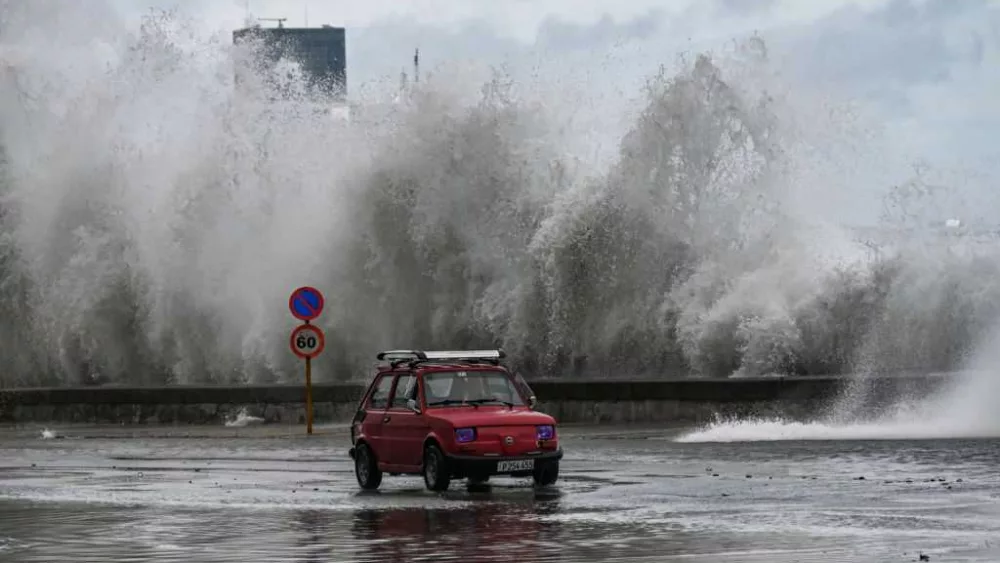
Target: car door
x=375 y=407
x=404 y=429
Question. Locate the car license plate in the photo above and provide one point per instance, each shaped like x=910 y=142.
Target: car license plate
x=515 y=465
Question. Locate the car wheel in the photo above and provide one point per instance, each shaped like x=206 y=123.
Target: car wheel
x=546 y=473
x=366 y=468
x=436 y=474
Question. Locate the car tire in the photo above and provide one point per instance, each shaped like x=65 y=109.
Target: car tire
x=546 y=473
x=436 y=474
x=366 y=468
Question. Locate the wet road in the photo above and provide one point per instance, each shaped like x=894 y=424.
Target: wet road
x=273 y=494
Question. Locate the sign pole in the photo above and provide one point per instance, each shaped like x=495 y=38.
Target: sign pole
x=307 y=340
x=309 y=397
x=309 y=394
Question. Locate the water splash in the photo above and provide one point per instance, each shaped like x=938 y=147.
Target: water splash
x=155 y=218
x=243 y=418
x=936 y=423
x=964 y=408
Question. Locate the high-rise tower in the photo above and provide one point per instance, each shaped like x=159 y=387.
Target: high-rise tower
x=321 y=52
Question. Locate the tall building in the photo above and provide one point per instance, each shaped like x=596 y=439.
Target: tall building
x=321 y=51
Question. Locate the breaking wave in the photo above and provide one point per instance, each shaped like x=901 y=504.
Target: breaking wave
x=964 y=408
x=154 y=220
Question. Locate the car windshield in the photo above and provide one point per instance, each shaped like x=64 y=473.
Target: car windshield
x=451 y=388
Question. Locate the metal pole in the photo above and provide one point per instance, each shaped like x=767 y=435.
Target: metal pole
x=309 y=397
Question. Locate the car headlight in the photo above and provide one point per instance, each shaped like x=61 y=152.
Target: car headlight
x=545 y=432
x=465 y=434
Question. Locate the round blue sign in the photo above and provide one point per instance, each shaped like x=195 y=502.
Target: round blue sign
x=306 y=303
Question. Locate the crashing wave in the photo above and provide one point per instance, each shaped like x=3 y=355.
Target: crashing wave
x=154 y=220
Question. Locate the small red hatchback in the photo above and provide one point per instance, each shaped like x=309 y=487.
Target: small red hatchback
x=451 y=415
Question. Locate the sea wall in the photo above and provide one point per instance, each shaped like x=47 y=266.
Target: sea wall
x=671 y=401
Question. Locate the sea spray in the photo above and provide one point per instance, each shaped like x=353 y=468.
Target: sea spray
x=156 y=217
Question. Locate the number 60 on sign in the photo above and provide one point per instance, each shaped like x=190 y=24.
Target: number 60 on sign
x=307 y=341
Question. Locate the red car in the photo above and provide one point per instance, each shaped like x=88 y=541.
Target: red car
x=451 y=415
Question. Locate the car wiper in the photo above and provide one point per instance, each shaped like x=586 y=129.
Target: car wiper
x=484 y=401
x=445 y=402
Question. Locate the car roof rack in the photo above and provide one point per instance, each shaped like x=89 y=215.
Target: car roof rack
x=414 y=357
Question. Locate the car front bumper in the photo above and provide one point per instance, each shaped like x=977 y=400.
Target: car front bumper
x=491 y=465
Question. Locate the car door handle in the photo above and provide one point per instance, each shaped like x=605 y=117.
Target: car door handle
x=385 y=418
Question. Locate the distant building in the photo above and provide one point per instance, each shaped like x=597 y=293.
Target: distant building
x=321 y=51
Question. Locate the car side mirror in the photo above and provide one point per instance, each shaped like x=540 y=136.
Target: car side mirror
x=532 y=401
x=412 y=405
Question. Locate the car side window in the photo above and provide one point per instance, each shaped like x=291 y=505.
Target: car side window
x=405 y=387
x=380 y=395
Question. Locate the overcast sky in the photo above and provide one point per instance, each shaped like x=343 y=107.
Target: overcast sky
x=927 y=70
x=931 y=59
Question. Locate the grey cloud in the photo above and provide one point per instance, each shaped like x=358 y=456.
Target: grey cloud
x=385 y=49
x=744 y=7
x=904 y=42
x=560 y=35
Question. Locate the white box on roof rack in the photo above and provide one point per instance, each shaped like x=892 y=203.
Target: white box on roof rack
x=464 y=354
x=394 y=355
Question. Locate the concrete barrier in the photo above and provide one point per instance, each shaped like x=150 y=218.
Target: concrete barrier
x=681 y=401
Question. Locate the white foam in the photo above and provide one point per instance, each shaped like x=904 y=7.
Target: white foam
x=242 y=419
x=755 y=430
x=895 y=427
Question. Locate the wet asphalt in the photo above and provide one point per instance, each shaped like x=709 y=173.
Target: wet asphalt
x=272 y=493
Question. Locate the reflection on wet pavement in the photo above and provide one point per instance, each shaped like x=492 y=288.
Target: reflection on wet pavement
x=255 y=497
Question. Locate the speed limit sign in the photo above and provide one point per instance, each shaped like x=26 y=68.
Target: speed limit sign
x=307 y=341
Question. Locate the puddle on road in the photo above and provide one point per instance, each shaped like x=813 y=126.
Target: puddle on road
x=269 y=504
x=490 y=530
